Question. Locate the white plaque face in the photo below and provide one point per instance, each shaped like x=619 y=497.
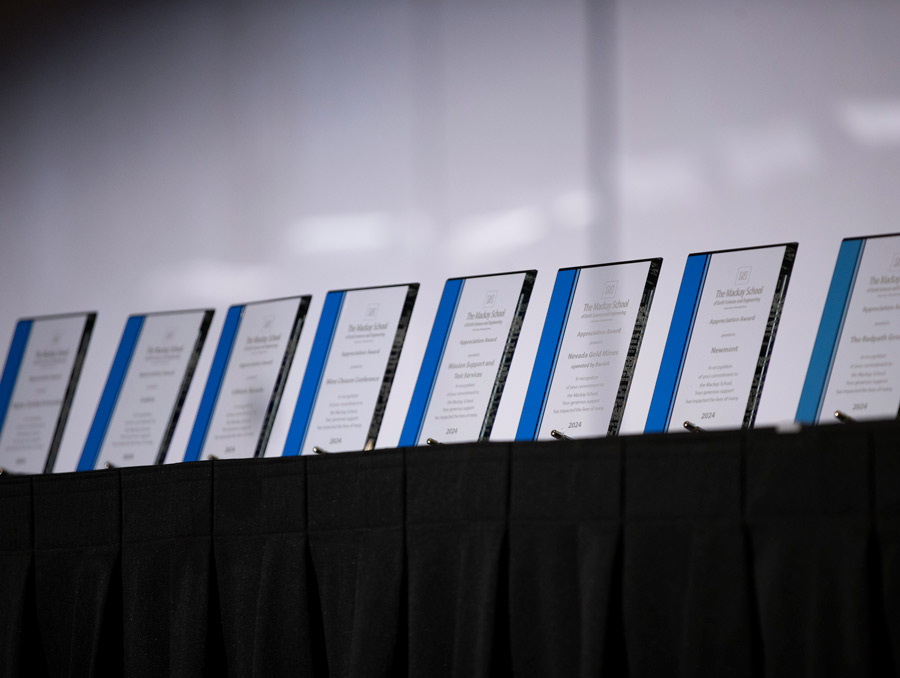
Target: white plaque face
x=39 y=393
x=250 y=378
x=471 y=359
x=151 y=389
x=865 y=375
x=354 y=371
x=728 y=331
x=593 y=350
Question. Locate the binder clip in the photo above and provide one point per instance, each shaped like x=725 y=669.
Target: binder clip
x=559 y=435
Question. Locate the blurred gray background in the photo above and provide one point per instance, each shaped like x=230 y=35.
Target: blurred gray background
x=183 y=154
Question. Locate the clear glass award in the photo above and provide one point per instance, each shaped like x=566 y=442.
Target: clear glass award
x=588 y=349
x=854 y=371
x=720 y=339
x=37 y=387
x=246 y=379
x=145 y=389
x=467 y=358
x=351 y=369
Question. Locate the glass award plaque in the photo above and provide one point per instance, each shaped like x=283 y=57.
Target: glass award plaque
x=350 y=370
x=37 y=387
x=722 y=332
x=854 y=371
x=246 y=379
x=588 y=349
x=145 y=389
x=467 y=358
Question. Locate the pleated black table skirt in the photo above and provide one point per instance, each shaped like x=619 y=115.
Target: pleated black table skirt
x=721 y=554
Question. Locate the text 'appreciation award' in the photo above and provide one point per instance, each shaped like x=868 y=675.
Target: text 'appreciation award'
x=722 y=332
x=467 y=358
x=350 y=370
x=246 y=379
x=145 y=389
x=37 y=387
x=854 y=372
x=589 y=346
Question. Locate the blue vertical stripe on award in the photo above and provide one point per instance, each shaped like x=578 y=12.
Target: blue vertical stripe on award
x=677 y=343
x=213 y=383
x=547 y=353
x=111 y=391
x=312 y=378
x=11 y=368
x=421 y=396
x=830 y=325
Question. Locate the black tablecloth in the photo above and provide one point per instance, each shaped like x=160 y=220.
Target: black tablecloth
x=722 y=554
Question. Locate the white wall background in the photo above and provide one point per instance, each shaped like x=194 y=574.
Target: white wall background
x=204 y=154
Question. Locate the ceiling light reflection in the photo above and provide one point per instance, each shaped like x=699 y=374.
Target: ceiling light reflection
x=658 y=182
x=329 y=233
x=574 y=209
x=768 y=154
x=485 y=234
x=206 y=281
x=871 y=123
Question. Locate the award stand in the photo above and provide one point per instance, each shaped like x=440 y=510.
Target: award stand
x=588 y=350
x=843 y=417
x=720 y=339
x=854 y=370
x=37 y=387
x=467 y=358
x=145 y=389
x=350 y=370
x=247 y=378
